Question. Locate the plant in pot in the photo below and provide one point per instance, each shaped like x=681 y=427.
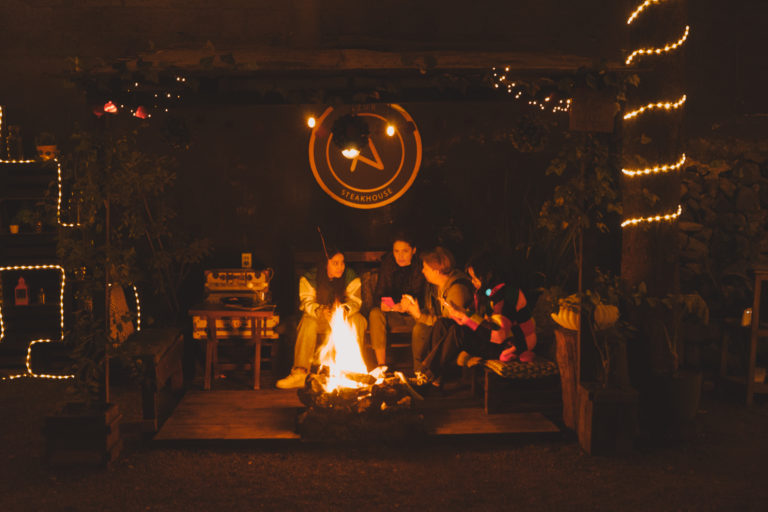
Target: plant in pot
x=123 y=235
x=607 y=419
x=671 y=395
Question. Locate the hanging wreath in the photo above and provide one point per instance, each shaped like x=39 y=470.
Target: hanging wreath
x=350 y=131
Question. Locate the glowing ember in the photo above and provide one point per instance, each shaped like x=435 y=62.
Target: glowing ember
x=341 y=354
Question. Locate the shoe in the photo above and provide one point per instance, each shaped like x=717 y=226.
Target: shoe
x=379 y=372
x=294 y=380
x=419 y=379
x=527 y=356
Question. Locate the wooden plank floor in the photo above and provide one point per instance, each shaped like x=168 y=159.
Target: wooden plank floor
x=269 y=414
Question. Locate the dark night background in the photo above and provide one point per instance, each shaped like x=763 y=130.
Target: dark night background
x=245 y=181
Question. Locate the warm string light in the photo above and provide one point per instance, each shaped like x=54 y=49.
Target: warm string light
x=640 y=9
x=666 y=105
x=666 y=48
x=655 y=170
x=138 y=308
x=501 y=80
x=61 y=292
x=656 y=218
x=58 y=204
x=32 y=375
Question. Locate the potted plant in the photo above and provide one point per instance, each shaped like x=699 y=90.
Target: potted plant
x=672 y=393
x=607 y=418
x=123 y=235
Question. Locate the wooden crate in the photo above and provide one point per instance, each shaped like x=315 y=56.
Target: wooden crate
x=80 y=435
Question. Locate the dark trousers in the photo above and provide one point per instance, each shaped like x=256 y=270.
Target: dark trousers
x=448 y=339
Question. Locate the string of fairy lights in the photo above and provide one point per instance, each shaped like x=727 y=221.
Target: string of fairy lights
x=29 y=372
x=664 y=106
x=502 y=81
x=139 y=98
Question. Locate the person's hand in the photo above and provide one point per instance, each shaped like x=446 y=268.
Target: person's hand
x=458 y=316
x=324 y=312
x=387 y=304
x=410 y=305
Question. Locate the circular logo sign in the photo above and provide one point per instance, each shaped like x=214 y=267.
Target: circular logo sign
x=384 y=168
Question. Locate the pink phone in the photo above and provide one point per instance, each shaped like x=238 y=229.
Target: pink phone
x=387 y=301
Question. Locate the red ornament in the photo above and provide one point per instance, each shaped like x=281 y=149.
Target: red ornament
x=110 y=108
x=141 y=113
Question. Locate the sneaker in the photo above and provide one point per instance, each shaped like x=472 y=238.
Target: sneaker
x=419 y=379
x=527 y=356
x=379 y=372
x=294 y=380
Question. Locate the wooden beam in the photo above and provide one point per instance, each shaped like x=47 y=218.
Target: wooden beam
x=283 y=59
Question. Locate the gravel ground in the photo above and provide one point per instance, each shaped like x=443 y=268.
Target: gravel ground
x=723 y=466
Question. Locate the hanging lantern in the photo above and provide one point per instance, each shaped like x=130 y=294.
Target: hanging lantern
x=350 y=134
x=141 y=112
x=110 y=108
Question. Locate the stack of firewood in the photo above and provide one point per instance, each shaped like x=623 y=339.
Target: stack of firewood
x=383 y=410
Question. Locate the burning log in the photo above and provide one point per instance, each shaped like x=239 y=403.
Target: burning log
x=378 y=411
x=346 y=404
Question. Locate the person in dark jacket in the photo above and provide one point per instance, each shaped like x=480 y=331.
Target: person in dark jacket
x=449 y=291
x=399 y=274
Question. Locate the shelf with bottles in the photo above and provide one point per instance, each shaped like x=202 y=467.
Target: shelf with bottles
x=30 y=301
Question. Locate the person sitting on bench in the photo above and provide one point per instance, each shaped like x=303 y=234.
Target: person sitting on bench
x=319 y=290
x=399 y=274
x=502 y=327
x=449 y=290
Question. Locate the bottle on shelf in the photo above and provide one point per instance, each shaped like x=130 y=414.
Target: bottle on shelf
x=21 y=293
x=41 y=296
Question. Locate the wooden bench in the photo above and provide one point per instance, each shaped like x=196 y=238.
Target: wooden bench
x=157 y=355
x=517 y=387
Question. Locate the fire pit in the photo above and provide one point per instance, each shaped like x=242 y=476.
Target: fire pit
x=346 y=403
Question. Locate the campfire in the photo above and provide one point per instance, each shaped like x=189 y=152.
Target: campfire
x=346 y=402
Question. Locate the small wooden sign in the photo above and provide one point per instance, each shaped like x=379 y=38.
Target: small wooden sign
x=592 y=111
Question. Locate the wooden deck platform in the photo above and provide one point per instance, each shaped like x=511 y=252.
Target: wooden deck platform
x=270 y=414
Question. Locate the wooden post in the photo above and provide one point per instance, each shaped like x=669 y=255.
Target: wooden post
x=566 y=354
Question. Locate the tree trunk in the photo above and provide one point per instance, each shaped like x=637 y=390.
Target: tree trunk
x=653 y=138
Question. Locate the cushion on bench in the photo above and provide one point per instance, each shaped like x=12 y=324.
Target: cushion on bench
x=538 y=368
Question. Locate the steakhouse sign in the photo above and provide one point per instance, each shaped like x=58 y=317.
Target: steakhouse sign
x=385 y=168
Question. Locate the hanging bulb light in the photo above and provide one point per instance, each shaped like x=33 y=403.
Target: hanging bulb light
x=350 y=133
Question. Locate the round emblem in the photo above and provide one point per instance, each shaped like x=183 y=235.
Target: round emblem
x=385 y=165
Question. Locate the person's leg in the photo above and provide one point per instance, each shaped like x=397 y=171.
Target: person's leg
x=359 y=322
x=446 y=341
x=306 y=341
x=377 y=320
x=420 y=337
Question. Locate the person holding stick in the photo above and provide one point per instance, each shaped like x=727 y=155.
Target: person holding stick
x=321 y=289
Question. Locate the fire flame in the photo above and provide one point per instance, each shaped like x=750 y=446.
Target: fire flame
x=341 y=354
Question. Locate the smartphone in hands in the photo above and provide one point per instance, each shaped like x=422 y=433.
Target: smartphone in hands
x=387 y=301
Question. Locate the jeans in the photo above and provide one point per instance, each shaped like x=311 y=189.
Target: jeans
x=306 y=338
